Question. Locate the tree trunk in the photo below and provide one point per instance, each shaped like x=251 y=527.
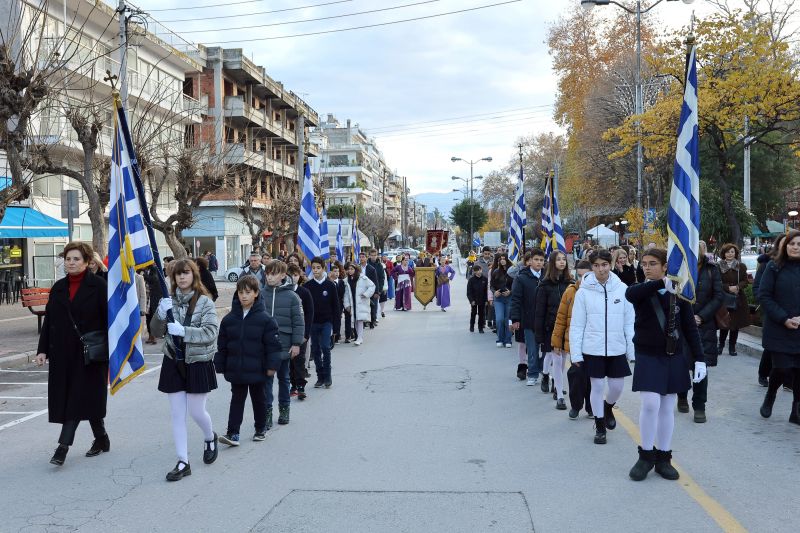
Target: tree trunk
x=96 y=218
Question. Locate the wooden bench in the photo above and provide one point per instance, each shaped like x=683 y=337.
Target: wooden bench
x=36 y=297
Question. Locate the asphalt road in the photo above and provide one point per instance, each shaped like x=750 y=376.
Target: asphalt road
x=426 y=428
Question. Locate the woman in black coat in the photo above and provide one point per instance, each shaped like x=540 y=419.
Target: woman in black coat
x=554 y=282
x=734 y=281
x=620 y=267
x=154 y=296
x=708 y=299
x=779 y=294
x=75 y=391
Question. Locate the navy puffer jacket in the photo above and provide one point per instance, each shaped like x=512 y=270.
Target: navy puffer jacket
x=779 y=294
x=247 y=347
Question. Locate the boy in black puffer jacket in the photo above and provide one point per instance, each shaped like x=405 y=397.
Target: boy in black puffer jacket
x=248 y=350
x=477 y=290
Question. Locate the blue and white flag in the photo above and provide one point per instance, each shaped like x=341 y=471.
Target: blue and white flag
x=516 y=232
x=356 y=242
x=324 y=241
x=547 y=221
x=308 y=227
x=339 y=244
x=128 y=250
x=683 y=215
x=558 y=231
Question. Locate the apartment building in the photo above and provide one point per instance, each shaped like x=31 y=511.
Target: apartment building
x=85 y=47
x=259 y=129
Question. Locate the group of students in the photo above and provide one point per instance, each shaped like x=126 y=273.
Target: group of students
x=603 y=318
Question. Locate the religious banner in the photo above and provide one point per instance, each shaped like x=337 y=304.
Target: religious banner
x=425 y=288
x=435 y=241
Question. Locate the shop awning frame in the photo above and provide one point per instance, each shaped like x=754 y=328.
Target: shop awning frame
x=26 y=222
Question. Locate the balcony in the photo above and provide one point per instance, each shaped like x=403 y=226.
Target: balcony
x=238 y=154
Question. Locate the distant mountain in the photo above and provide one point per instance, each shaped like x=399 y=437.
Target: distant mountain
x=444 y=201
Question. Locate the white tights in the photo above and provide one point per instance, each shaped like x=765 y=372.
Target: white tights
x=360 y=329
x=558 y=373
x=179 y=403
x=657 y=420
x=615 y=386
x=546 y=362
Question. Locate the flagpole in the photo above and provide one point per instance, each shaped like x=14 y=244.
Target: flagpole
x=522 y=185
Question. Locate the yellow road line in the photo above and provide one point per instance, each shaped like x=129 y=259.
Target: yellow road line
x=715 y=510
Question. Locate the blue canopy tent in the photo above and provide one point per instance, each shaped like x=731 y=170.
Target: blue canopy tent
x=25 y=222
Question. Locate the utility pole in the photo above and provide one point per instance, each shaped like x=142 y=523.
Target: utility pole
x=384 y=195
x=123 y=52
x=747 y=142
x=404 y=213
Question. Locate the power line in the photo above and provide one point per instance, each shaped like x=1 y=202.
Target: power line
x=257 y=13
x=498 y=112
x=460 y=126
x=309 y=34
x=312 y=20
x=207 y=6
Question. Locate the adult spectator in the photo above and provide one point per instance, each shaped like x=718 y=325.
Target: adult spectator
x=75 y=390
x=213 y=264
x=255 y=268
x=779 y=294
x=765 y=365
x=369 y=271
x=734 y=281
x=621 y=268
x=97 y=267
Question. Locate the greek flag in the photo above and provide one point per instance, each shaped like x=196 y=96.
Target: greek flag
x=558 y=231
x=516 y=233
x=128 y=250
x=308 y=228
x=683 y=215
x=324 y=241
x=354 y=237
x=547 y=221
x=339 y=244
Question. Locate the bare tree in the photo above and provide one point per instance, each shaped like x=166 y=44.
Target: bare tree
x=376 y=226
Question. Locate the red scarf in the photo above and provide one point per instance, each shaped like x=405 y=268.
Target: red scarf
x=75 y=283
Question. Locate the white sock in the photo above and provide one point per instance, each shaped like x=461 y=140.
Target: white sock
x=177 y=404
x=666 y=421
x=558 y=374
x=648 y=418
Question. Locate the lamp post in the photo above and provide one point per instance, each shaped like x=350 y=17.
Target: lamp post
x=638 y=98
x=792 y=222
x=488 y=159
x=620 y=225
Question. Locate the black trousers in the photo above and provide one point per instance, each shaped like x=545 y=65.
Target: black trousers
x=734 y=336
x=69 y=427
x=258 y=397
x=373 y=310
x=349 y=331
x=297 y=368
x=579 y=387
x=699 y=395
x=480 y=310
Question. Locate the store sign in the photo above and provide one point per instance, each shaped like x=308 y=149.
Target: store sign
x=15 y=251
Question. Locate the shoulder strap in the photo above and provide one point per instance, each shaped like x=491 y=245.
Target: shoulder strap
x=74 y=326
x=662 y=319
x=187 y=320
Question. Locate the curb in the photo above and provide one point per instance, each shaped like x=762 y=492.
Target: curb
x=17 y=356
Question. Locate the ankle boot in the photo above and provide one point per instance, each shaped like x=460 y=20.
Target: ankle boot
x=283 y=415
x=599 y=431
x=60 y=455
x=683 y=404
x=664 y=466
x=766 y=407
x=103 y=444
x=608 y=413
x=720 y=348
x=794 y=418
x=522 y=371
x=269 y=416
x=646 y=462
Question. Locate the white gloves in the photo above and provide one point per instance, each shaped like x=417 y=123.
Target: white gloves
x=670 y=285
x=179 y=331
x=164 y=305
x=699 y=372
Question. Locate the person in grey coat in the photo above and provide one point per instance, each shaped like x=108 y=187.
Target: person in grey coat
x=283 y=304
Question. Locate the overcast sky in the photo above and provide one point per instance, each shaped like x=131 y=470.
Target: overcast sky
x=466 y=84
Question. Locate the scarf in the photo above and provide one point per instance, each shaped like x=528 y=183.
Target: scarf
x=724 y=265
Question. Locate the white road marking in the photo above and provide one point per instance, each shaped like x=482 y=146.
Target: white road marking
x=19 y=383
x=24 y=371
x=23 y=397
x=17 y=318
x=23 y=419
x=16 y=412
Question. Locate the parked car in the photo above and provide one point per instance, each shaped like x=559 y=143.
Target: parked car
x=233 y=273
x=751 y=262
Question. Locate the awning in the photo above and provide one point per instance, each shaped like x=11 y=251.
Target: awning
x=25 y=222
x=395 y=234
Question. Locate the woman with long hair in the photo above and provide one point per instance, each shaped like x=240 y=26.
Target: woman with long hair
x=734 y=281
x=554 y=283
x=779 y=294
x=622 y=267
x=662 y=358
x=357 y=297
x=500 y=285
x=187 y=370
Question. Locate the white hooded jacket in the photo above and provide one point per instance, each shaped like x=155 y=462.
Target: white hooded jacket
x=602 y=320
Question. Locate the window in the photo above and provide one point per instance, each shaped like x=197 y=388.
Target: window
x=342 y=181
x=338 y=161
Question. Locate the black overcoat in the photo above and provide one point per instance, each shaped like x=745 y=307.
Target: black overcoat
x=74 y=391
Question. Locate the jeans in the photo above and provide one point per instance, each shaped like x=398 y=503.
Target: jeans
x=534 y=361
x=502 y=306
x=238 y=397
x=321 y=349
x=284 y=396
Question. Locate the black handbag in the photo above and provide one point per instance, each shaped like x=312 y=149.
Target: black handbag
x=731 y=300
x=95 y=343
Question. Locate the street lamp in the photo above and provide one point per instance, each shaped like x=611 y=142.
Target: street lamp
x=792 y=222
x=638 y=104
x=620 y=224
x=488 y=159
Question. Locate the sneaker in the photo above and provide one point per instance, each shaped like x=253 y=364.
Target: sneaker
x=699 y=417
x=328 y=383
x=230 y=440
x=258 y=437
x=301 y=393
x=283 y=418
x=561 y=405
x=319 y=384
x=508 y=345
x=498 y=344
x=683 y=404
x=269 y=418
x=573 y=414
x=357 y=343
x=545 y=384
x=531 y=381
